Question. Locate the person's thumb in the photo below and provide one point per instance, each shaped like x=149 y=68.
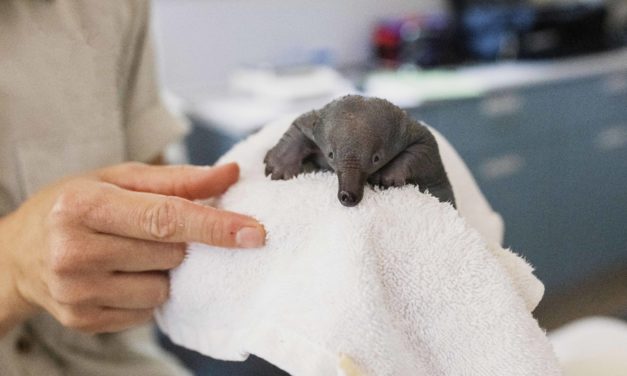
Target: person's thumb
x=190 y=182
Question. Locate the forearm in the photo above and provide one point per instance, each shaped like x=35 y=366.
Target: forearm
x=13 y=309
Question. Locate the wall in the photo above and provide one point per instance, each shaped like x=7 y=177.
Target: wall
x=200 y=41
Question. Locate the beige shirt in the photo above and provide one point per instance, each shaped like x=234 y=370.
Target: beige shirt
x=77 y=92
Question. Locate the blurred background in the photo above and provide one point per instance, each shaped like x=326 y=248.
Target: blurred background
x=532 y=94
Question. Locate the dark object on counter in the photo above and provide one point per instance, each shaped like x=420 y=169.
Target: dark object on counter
x=494 y=29
x=560 y=31
x=492 y=32
x=426 y=40
x=362 y=139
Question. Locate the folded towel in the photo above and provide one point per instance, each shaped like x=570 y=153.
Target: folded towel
x=399 y=285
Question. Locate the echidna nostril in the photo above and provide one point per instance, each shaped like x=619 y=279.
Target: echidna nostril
x=347 y=198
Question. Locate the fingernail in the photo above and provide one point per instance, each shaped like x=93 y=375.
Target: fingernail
x=249 y=237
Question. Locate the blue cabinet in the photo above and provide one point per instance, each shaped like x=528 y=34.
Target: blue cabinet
x=552 y=159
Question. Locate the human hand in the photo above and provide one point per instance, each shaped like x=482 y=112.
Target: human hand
x=94 y=250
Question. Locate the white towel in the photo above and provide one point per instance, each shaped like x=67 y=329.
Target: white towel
x=399 y=285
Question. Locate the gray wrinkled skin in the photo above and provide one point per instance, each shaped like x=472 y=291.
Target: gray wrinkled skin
x=362 y=140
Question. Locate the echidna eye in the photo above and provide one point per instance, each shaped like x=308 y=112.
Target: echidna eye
x=376 y=158
x=330 y=155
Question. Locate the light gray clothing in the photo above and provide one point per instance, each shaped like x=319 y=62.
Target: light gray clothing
x=77 y=92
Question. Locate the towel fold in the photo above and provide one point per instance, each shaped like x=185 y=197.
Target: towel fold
x=399 y=285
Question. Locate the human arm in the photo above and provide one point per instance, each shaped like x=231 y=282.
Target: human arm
x=94 y=250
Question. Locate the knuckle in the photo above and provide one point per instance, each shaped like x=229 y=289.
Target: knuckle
x=70 y=293
x=66 y=206
x=160 y=221
x=75 y=201
x=63 y=258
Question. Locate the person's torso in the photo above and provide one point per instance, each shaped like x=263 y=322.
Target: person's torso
x=62 y=85
x=60 y=91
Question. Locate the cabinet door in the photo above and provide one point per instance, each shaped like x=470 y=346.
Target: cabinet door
x=506 y=146
x=591 y=198
x=593 y=185
x=551 y=159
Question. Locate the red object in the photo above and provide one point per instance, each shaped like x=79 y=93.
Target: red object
x=387 y=42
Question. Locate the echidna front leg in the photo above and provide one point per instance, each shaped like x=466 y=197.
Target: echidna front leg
x=420 y=163
x=285 y=159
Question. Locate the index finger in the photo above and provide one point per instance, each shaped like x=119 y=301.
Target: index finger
x=151 y=216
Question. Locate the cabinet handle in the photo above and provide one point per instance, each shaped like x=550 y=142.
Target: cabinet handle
x=501 y=167
x=615 y=84
x=611 y=138
x=501 y=105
